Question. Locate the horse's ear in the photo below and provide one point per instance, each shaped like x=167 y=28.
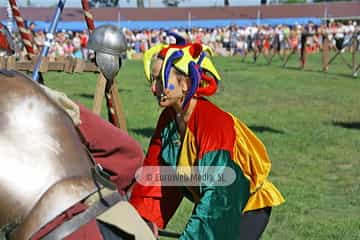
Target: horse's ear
x=195 y=50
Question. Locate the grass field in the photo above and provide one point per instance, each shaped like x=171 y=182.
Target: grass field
x=309 y=121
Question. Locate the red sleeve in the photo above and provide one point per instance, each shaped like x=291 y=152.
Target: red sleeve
x=156 y=203
x=113 y=148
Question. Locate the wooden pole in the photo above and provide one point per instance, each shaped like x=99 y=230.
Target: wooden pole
x=325 y=52
x=120 y=119
x=355 y=46
x=99 y=94
x=303 y=52
x=287 y=58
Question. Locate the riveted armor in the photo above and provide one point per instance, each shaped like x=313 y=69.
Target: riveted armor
x=44 y=166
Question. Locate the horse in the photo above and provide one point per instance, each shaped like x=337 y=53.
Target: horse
x=46 y=169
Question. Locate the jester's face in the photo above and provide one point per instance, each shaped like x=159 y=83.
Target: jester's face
x=177 y=86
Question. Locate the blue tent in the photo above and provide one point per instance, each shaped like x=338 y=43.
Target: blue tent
x=138 y=25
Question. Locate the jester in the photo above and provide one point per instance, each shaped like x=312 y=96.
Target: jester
x=193 y=134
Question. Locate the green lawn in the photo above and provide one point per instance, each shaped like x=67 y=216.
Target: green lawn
x=309 y=121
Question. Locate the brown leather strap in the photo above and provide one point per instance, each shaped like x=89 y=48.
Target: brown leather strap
x=83 y=218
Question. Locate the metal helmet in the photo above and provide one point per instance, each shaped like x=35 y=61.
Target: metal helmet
x=44 y=166
x=109 y=44
x=107 y=39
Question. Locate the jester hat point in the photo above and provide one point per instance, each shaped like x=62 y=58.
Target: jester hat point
x=192 y=59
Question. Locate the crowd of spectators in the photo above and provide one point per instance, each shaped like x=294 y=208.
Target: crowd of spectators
x=235 y=39
x=225 y=41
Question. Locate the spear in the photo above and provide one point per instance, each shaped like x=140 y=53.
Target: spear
x=49 y=38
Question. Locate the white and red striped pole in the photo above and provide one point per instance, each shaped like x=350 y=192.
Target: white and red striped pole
x=25 y=33
x=88 y=16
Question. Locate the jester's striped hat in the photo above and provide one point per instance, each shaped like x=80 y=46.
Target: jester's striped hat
x=192 y=59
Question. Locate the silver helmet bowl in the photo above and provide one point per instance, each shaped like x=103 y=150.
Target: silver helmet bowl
x=107 y=39
x=109 y=44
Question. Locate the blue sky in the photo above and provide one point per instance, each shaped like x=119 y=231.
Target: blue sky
x=132 y=3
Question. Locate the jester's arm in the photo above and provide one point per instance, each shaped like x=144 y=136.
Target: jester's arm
x=218 y=213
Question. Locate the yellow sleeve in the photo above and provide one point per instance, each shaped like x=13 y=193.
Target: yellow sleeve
x=250 y=154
